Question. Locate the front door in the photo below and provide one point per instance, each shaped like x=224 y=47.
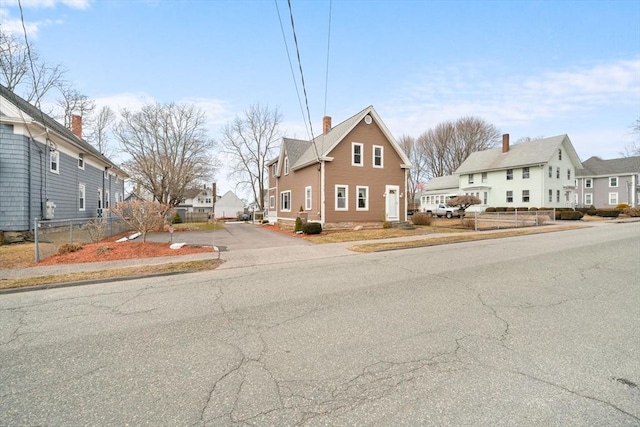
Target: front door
x=392 y=202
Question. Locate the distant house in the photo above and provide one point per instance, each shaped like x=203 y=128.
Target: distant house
x=47 y=171
x=538 y=173
x=439 y=190
x=197 y=200
x=353 y=173
x=229 y=206
x=607 y=183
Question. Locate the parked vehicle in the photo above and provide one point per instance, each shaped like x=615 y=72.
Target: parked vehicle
x=442 y=209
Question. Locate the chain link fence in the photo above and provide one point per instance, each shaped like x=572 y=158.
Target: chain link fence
x=49 y=235
x=499 y=220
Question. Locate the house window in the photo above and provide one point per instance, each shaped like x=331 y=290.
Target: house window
x=54 y=162
x=568 y=174
x=558 y=196
x=363 y=198
x=106 y=199
x=484 y=177
x=81 y=197
x=525 y=195
x=551 y=196
x=613 y=181
x=342 y=193
x=550 y=171
x=588 y=183
x=613 y=198
x=525 y=173
x=272 y=202
x=377 y=156
x=286 y=166
x=557 y=173
x=274 y=169
x=509 y=196
x=116 y=197
x=559 y=153
x=484 y=200
x=470 y=178
x=285 y=201
x=588 y=199
x=80 y=161
x=509 y=174
x=99 y=198
x=356 y=151
x=307 y=198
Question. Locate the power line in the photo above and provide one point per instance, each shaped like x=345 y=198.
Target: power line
x=326 y=76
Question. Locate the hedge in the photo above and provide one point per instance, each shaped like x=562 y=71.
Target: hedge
x=312 y=228
x=571 y=215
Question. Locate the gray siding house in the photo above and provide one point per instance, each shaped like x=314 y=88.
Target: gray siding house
x=47 y=171
x=607 y=183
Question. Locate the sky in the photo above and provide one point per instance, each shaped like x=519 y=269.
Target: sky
x=531 y=68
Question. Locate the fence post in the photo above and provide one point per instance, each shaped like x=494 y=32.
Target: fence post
x=70 y=231
x=35 y=239
x=516 y=216
x=475 y=220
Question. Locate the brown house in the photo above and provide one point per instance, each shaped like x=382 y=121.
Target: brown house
x=353 y=174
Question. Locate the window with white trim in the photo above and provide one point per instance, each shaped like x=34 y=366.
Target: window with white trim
x=509 y=196
x=525 y=173
x=613 y=198
x=557 y=173
x=470 y=180
x=551 y=196
x=568 y=174
x=81 y=198
x=307 y=198
x=285 y=201
x=509 y=174
x=588 y=199
x=106 y=199
x=588 y=183
x=80 y=161
x=54 y=161
x=559 y=153
x=357 y=152
x=525 y=195
x=484 y=177
x=272 y=202
x=363 y=198
x=378 y=156
x=286 y=166
x=557 y=196
x=342 y=198
x=99 y=198
x=550 y=171
x=613 y=181
x=274 y=169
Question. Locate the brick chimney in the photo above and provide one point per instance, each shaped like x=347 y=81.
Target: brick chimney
x=76 y=125
x=505 y=142
x=326 y=124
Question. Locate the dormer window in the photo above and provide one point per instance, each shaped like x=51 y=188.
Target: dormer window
x=357 y=151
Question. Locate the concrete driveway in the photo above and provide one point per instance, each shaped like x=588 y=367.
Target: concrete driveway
x=234 y=236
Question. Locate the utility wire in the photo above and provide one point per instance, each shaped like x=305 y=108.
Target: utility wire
x=326 y=76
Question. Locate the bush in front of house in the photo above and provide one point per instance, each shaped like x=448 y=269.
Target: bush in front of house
x=533 y=209
x=634 y=212
x=421 y=218
x=608 y=213
x=622 y=206
x=177 y=219
x=67 y=248
x=490 y=209
x=312 y=228
x=298 y=226
x=571 y=215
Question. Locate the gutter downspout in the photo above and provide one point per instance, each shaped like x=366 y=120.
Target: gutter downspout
x=322 y=194
x=29 y=219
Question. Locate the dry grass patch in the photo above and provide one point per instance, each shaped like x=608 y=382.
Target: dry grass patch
x=434 y=241
x=128 y=272
x=19 y=255
x=367 y=234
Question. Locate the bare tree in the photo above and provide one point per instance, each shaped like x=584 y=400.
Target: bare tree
x=527 y=139
x=250 y=142
x=74 y=102
x=23 y=71
x=419 y=165
x=633 y=148
x=143 y=216
x=450 y=143
x=168 y=147
x=99 y=131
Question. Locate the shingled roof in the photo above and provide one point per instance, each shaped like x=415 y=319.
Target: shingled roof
x=595 y=166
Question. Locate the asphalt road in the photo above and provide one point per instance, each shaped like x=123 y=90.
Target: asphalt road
x=524 y=331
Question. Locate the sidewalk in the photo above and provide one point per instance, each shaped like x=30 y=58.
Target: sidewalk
x=240 y=258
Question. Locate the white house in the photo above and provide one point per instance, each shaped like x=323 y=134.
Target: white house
x=228 y=206
x=538 y=173
x=439 y=190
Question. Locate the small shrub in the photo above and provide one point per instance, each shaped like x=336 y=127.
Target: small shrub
x=97 y=229
x=265 y=221
x=533 y=209
x=103 y=250
x=67 y=248
x=177 y=219
x=312 y=228
x=511 y=209
x=634 y=212
x=490 y=209
x=500 y=209
x=521 y=209
x=386 y=224
x=421 y=218
x=571 y=215
x=608 y=213
x=622 y=206
x=298 y=226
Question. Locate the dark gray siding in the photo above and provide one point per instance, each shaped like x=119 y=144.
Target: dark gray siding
x=13 y=180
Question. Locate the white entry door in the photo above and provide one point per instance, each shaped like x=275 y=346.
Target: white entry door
x=393 y=202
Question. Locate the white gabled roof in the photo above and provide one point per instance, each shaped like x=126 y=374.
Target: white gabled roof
x=526 y=154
